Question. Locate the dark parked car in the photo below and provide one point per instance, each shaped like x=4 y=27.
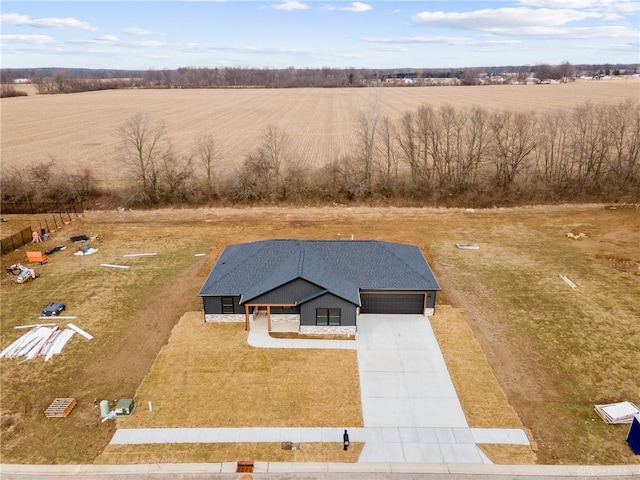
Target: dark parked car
x=53 y=309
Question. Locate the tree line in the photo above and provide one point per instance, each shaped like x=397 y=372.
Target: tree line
x=59 y=80
x=429 y=156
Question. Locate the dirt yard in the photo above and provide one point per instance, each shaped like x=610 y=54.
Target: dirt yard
x=554 y=351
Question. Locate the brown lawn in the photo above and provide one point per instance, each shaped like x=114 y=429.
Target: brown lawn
x=553 y=351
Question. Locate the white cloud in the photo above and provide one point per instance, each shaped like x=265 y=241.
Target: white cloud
x=455 y=41
x=56 y=23
x=34 y=39
x=506 y=19
x=529 y=22
x=140 y=32
x=357 y=7
x=390 y=48
x=107 y=38
x=603 y=31
x=290 y=5
x=597 y=5
x=152 y=44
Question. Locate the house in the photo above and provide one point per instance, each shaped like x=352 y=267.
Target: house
x=322 y=284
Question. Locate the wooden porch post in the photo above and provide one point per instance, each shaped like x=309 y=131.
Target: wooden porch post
x=246 y=318
x=269 y=318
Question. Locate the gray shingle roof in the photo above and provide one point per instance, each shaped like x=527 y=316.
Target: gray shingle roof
x=342 y=267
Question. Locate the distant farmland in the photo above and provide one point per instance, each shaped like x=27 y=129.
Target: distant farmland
x=82 y=129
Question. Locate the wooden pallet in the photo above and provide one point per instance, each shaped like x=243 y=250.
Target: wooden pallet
x=60 y=407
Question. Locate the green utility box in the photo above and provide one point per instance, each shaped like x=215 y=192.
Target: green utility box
x=125 y=406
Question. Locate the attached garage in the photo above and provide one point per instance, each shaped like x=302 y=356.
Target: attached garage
x=393 y=303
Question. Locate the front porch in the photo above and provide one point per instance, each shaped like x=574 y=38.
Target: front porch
x=275 y=322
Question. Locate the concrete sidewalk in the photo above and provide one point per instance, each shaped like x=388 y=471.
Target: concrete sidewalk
x=402 y=444
x=131 y=436
x=259 y=337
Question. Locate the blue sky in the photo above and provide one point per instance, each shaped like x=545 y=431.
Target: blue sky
x=157 y=34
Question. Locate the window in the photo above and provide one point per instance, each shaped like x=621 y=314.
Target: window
x=328 y=316
x=227 y=305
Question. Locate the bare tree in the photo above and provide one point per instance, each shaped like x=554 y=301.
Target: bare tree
x=367 y=122
x=553 y=152
x=472 y=151
x=252 y=180
x=141 y=142
x=514 y=137
x=175 y=172
x=42 y=180
x=276 y=150
x=388 y=156
x=209 y=155
x=15 y=186
x=82 y=183
x=623 y=121
x=590 y=144
x=445 y=136
x=406 y=140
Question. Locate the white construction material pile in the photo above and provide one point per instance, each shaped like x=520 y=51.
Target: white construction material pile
x=468 y=246
x=45 y=341
x=621 y=412
x=568 y=281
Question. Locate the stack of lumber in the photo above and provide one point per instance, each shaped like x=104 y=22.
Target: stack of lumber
x=621 y=412
x=60 y=407
x=39 y=341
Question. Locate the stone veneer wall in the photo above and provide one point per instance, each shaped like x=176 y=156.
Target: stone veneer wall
x=224 y=318
x=315 y=330
x=285 y=318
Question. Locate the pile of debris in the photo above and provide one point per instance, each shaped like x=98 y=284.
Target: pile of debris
x=621 y=412
x=623 y=206
x=577 y=236
x=626 y=266
x=45 y=340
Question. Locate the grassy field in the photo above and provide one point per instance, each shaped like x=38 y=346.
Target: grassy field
x=555 y=352
x=81 y=129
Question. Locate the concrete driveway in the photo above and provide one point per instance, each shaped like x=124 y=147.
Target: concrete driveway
x=408 y=394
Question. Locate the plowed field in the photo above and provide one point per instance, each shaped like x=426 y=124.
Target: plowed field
x=82 y=129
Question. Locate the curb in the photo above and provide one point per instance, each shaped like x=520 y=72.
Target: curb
x=275 y=467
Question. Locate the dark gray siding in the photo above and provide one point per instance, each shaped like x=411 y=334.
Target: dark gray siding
x=285 y=310
x=213 y=305
x=431 y=299
x=347 y=309
x=291 y=292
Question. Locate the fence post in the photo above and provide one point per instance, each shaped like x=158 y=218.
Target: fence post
x=67 y=210
x=54 y=221
x=46 y=224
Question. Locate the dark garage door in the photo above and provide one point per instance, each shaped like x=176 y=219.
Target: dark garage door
x=392 y=303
